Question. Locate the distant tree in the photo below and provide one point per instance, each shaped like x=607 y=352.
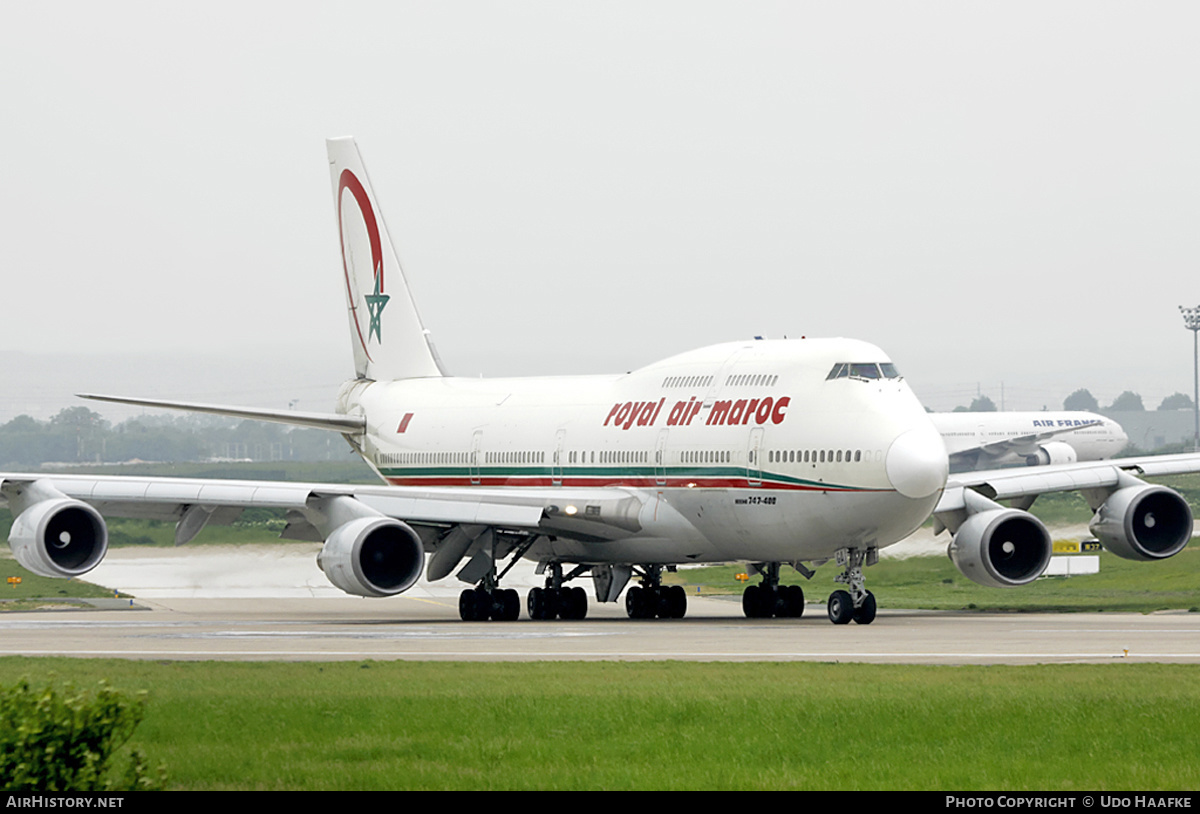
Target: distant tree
x=1176 y=401
x=1128 y=401
x=1081 y=400
x=960 y=409
x=78 y=417
x=982 y=404
x=22 y=423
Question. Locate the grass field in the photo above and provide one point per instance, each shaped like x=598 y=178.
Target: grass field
x=403 y=725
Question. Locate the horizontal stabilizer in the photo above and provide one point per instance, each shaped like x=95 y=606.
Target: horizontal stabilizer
x=317 y=421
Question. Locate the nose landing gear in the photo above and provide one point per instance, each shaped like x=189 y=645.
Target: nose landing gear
x=858 y=603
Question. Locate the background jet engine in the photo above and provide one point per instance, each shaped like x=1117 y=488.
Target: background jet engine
x=1054 y=452
x=1001 y=548
x=372 y=556
x=59 y=538
x=1143 y=522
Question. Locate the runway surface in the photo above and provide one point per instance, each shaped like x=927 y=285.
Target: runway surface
x=273 y=604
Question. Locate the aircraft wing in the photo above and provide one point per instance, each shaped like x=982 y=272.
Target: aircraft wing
x=1024 y=482
x=159 y=498
x=376 y=536
x=1006 y=546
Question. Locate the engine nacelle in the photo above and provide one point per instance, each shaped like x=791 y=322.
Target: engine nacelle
x=1143 y=522
x=1001 y=548
x=1055 y=452
x=372 y=556
x=59 y=537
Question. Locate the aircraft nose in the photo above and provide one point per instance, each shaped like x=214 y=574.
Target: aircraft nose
x=916 y=462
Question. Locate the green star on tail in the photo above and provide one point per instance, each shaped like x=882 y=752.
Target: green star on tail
x=375 y=303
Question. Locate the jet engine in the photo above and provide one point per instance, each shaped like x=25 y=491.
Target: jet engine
x=1001 y=548
x=372 y=556
x=1143 y=522
x=1055 y=452
x=59 y=537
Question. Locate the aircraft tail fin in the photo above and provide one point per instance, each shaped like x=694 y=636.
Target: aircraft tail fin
x=386 y=333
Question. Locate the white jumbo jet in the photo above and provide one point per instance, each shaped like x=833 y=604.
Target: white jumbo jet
x=754 y=451
x=993 y=440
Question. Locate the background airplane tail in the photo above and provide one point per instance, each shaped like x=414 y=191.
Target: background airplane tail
x=386 y=333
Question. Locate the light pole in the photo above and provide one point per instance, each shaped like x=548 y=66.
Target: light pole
x=1191 y=321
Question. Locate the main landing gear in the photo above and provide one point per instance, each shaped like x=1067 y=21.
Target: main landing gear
x=653 y=599
x=480 y=604
x=556 y=600
x=769 y=598
x=858 y=603
x=488 y=600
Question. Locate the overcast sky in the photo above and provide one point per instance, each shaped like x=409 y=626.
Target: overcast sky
x=992 y=192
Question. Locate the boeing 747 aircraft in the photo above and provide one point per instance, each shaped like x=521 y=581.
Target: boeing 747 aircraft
x=774 y=453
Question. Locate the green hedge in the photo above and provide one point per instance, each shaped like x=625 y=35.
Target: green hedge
x=64 y=740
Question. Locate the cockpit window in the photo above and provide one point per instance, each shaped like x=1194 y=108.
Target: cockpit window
x=863 y=370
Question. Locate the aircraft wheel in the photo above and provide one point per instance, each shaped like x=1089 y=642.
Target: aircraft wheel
x=573 y=603
x=841 y=607
x=865 y=613
x=506 y=606
x=675 y=600
x=793 y=601
x=635 y=602
x=535 y=603
x=543 y=603
x=581 y=604
x=753 y=604
x=468 y=607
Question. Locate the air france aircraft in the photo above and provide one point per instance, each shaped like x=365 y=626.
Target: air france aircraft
x=756 y=451
x=992 y=440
